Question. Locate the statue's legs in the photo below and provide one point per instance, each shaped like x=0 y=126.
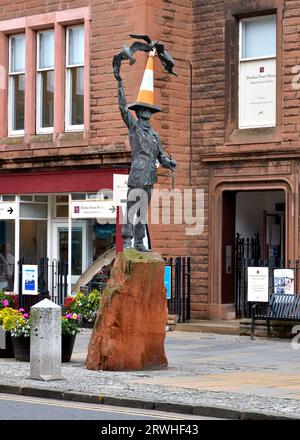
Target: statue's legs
x=137 y=203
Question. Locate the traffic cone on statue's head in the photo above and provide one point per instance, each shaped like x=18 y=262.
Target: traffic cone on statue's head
x=146 y=94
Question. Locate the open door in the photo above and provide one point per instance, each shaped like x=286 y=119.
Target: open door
x=228 y=247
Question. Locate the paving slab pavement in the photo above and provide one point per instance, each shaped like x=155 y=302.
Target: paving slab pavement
x=221 y=375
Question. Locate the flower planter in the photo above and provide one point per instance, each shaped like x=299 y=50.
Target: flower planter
x=6 y=345
x=21 y=348
x=67 y=344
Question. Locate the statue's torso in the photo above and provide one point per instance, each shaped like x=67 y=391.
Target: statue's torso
x=144 y=151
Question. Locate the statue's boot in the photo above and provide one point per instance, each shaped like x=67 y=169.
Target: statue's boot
x=127 y=244
x=139 y=246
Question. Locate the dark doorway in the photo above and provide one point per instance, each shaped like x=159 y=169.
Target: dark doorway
x=253 y=234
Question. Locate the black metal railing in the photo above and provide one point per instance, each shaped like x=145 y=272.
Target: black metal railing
x=247 y=254
x=180 y=302
x=52 y=281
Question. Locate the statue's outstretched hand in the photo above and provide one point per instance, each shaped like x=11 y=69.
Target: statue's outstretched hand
x=172 y=163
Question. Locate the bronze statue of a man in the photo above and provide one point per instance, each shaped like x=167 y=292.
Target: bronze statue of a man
x=146 y=149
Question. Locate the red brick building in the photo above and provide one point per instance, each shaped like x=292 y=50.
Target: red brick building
x=230 y=119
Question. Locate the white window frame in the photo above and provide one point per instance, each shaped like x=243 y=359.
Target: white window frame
x=68 y=125
x=39 y=128
x=11 y=75
x=242 y=62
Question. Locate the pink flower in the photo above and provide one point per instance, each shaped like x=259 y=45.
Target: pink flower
x=5 y=302
x=26 y=315
x=69 y=316
x=21 y=310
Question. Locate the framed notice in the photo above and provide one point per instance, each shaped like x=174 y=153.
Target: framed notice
x=258 y=94
x=284 y=281
x=258 y=284
x=29 y=279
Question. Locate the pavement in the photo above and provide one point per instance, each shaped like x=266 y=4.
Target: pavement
x=225 y=376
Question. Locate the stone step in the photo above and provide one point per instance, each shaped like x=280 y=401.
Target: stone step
x=231 y=327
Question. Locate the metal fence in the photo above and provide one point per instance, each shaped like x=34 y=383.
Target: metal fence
x=52 y=281
x=248 y=255
x=180 y=302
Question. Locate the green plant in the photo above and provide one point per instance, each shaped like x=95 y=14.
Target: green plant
x=84 y=305
x=70 y=324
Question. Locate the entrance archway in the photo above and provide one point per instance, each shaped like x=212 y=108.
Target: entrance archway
x=221 y=302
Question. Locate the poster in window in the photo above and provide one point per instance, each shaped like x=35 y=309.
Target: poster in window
x=258 y=93
x=284 y=281
x=29 y=279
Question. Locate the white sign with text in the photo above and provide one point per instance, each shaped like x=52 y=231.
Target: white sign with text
x=93 y=209
x=258 y=93
x=29 y=279
x=120 y=189
x=258 y=284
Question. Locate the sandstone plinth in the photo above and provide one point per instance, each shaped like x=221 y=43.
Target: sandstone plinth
x=130 y=328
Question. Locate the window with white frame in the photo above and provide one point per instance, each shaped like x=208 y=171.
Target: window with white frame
x=16 y=86
x=45 y=82
x=257 y=72
x=74 y=77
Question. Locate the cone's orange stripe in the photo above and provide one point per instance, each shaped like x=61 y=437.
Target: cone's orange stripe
x=145 y=96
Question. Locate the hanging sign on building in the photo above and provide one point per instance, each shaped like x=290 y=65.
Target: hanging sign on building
x=258 y=93
x=258 y=284
x=95 y=209
x=29 y=279
x=284 y=281
x=120 y=189
x=8 y=210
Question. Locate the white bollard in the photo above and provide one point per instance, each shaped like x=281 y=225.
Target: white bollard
x=45 y=341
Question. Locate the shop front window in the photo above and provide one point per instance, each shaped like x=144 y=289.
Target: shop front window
x=7 y=258
x=33 y=245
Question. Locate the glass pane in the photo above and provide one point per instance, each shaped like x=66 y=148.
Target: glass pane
x=41 y=199
x=76 y=95
x=76 y=45
x=8 y=198
x=33 y=210
x=17 y=55
x=47 y=98
x=76 y=248
x=259 y=37
x=46 y=53
x=62 y=199
x=26 y=198
x=62 y=211
x=100 y=238
x=33 y=242
x=18 y=94
x=7 y=250
x=78 y=196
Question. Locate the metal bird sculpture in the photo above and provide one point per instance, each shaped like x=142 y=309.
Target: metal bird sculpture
x=165 y=58
x=128 y=52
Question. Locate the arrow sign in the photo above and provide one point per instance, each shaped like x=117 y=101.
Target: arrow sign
x=7 y=210
x=95 y=209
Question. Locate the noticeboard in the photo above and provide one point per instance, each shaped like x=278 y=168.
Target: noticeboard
x=29 y=279
x=258 y=284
